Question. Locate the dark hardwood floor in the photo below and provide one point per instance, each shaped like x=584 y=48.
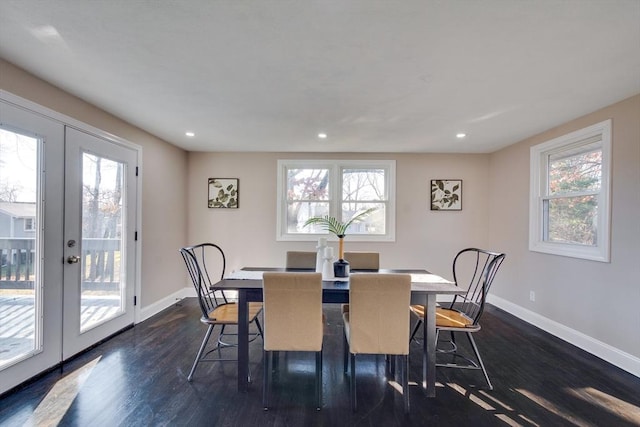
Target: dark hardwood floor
x=138 y=378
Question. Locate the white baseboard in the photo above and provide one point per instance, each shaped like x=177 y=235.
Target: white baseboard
x=158 y=306
x=604 y=351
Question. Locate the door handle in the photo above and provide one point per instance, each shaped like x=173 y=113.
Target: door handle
x=73 y=259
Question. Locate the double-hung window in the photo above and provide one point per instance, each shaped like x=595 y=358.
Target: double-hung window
x=339 y=188
x=569 y=205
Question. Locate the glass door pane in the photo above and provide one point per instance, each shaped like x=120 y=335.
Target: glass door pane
x=20 y=290
x=99 y=234
x=102 y=276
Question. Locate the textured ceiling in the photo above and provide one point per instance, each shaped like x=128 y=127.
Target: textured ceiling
x=376 y=76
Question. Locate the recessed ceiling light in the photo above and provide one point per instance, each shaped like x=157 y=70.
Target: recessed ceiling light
x=190 y=134
x=322 y=135
x=460 y=135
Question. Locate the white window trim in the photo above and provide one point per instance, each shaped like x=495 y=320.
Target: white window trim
x=539 y=165
x=334 y=167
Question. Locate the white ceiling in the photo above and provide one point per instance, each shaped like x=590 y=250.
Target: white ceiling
x=376 y=76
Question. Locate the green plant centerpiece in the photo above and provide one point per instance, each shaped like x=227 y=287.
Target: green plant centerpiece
x=332 y=225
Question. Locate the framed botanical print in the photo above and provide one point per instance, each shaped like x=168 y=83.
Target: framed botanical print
x=446 y=194
x=224 y=193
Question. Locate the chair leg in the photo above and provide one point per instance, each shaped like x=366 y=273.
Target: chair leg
x=405 y=381
x=220 y=342
x=319 y=380
x=259 y=328
x=345 y=354
x=392 y=368
x=475 y=350
x=200 y=351
x=276 y=364
x=352 y=383
x=415 y=329
x=266 y=376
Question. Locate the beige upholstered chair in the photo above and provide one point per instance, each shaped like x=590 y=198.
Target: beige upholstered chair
x=363 y=260
x=473 y=269
x=292 y=321
x=378 y=323
x=301 y=260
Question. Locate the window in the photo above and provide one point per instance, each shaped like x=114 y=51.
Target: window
x=569 y=205
x=308 y=188
x=29 y=224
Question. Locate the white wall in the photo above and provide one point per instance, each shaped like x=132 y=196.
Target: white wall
x=163 y=184
x=593 y=304
x=424 y=238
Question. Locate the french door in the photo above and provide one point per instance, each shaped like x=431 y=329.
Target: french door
x=31 y=271
x=99 y=239
x=68 y=202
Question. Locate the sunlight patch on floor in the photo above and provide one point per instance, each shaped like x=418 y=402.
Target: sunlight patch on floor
x=475 y=399
x=507 y=408
x=624 y=410
x=56 y=403
x=550 y=406
x=395 y=385
x=489 y=397
x=501 y=411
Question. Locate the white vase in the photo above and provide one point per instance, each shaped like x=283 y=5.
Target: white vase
x=327 y=269
x=322 y=243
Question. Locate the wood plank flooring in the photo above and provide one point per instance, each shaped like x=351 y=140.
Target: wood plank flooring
x=138 y=378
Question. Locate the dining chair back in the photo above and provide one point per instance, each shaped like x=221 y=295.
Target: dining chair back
x=363 y=260
x=474 y=269
x=206 y=264
x=301 y=260
x=293 y=321
x=378 y=323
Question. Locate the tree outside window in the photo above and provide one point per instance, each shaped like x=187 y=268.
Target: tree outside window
x=574 y=184
x=340 y=189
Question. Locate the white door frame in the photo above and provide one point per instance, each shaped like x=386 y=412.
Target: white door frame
x=28 y=366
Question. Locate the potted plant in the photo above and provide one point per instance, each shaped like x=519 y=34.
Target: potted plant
x=332 y=225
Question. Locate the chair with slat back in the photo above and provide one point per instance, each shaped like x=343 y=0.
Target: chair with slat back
x=216 y=309
x=475 y=269
x=293 y=321
x=378 y=323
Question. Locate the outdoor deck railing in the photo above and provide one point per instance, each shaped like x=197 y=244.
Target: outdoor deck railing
x=100 y=258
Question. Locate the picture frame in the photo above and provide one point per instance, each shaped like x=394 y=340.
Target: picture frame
x=446 y=194
x=224 y=193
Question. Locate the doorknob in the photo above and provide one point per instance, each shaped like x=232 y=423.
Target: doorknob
x=73 y=259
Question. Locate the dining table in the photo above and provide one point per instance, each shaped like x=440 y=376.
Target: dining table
x=425 y=287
